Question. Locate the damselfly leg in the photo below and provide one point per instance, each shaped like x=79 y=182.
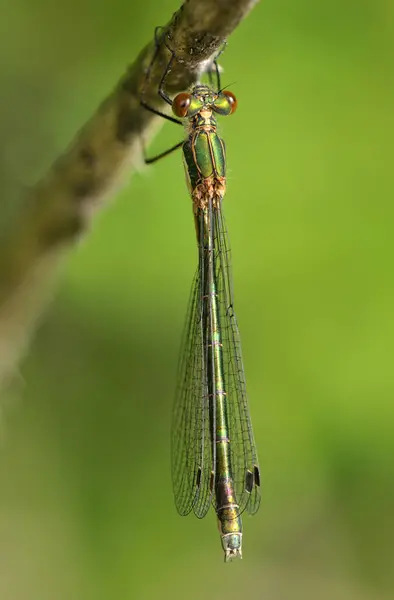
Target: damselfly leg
x=213 y=70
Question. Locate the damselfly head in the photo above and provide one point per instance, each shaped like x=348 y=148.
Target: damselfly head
x=186 y=105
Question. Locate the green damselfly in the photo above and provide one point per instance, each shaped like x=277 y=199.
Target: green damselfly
x=214 y=459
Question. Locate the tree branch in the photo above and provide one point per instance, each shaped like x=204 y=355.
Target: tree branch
x=61 y=205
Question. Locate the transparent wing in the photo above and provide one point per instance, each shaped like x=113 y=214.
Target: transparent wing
x=245 y=467
x=193 y=459
x=191 y=449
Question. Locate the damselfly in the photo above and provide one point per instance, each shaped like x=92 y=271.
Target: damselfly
x=214 y=459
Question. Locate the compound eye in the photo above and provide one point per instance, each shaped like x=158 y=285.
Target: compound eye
x=232 y=100
x=180 y=104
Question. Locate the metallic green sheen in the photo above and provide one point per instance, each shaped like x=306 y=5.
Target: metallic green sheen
x=204 y=156
x=222 y=105
x=218 y=154
x=191 y=168
x=195 y=107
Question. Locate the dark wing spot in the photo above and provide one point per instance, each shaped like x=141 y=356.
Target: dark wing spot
x=198 y=480
x=256 y=471
x=249 y=481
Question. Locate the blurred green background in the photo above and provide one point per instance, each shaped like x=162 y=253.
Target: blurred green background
x=86 y=508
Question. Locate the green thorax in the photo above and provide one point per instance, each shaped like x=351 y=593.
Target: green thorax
x=203 y=151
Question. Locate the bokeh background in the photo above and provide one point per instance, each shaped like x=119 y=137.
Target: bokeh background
x=86 y=508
